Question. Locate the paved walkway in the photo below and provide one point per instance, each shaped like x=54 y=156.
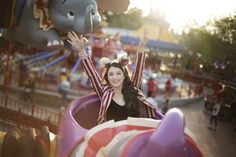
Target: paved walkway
x=219 y=143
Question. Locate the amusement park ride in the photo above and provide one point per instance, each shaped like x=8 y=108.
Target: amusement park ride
x=78 y=133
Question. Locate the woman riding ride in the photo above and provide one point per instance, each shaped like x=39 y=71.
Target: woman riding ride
x=119 y=94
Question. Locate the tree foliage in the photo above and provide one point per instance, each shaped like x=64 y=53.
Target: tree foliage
x=130 y=20
x=215 y=48
x=226 y=28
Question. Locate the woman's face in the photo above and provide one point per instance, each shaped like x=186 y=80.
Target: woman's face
x=115 y=77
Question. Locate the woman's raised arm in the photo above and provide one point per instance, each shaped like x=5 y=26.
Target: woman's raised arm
x=78 y=43
x=140 y=62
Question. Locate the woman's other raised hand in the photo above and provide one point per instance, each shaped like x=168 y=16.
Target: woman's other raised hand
x=78 y=43
x=142 y=44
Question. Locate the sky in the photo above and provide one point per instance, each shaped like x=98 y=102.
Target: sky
x=179 y=13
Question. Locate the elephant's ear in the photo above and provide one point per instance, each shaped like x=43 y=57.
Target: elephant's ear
x=118 y=6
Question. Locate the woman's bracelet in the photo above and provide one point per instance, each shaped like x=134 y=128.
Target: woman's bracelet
x=82 y=54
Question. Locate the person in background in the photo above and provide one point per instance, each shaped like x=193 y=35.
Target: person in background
x=22 y=73
x=214 y=115
x=119 y=94
x=166 y=106
x=63 y=90
x=233 y=111
x=63 y=74
x=151 y=87
x=168 y=88
x=29 y=88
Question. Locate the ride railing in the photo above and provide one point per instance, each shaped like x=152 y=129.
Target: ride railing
x=221 y=91
x=192 y=77
x=6 y=125
x=48 y=82
x=27 y=114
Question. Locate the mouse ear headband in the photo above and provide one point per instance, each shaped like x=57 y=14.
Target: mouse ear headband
x=105 y=62
x=123 y=60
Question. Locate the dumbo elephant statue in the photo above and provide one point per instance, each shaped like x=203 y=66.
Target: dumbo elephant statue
x=42 y=23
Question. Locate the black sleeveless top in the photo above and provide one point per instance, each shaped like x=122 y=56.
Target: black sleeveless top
x=116 y=112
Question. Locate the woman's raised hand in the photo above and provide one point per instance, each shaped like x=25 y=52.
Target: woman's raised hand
x=144 y=40
x=77 y=42
x=143 y=43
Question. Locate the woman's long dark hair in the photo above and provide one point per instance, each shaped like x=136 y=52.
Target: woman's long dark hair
x=130 y=93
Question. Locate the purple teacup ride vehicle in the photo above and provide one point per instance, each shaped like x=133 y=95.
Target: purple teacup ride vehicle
x=80 y=136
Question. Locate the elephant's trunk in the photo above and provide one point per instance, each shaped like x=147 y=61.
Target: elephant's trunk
x=88 y=19
x=85 y=23
x=168 y=139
